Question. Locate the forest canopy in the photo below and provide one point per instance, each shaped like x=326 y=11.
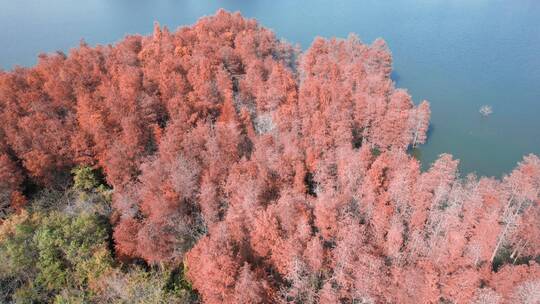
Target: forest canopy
x=266 y=174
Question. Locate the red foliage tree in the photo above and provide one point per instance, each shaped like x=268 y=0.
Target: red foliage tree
x=249 y=289
x=421 y=123
x=10 y=181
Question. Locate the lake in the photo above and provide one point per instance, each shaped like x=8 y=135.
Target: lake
x=458 y=54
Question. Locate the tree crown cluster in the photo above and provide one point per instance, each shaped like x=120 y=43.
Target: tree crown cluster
x=272 y=175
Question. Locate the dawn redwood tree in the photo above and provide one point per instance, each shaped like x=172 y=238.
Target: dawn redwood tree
x=432 y=189
x=10 y=181
x=517 y=283
x=525 y=239
x=524 y=189
x=480 y=213
x=394 y=129
x=125 y=236
x=214 y=264
x=248 y=288
x=527 y=292
x=415 y=284
x=38 y=118
x=420 y=123
x=486 y=296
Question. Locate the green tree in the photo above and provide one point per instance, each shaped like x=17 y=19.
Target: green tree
x=53 y=254
x=84 y=178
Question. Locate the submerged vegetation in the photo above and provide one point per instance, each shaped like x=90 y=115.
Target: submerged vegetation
x=485 y=110
x=219 y=164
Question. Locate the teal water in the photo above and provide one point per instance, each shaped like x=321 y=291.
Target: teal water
x=457 y=54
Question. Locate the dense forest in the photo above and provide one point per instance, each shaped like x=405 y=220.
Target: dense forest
x=219 y=164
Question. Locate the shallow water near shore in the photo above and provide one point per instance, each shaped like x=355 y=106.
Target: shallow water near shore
x=459 y=55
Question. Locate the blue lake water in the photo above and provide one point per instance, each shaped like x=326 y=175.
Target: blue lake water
x=457 y=54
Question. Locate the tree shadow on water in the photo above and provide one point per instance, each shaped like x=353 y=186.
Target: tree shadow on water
x=395 y=77
x=416 y=152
